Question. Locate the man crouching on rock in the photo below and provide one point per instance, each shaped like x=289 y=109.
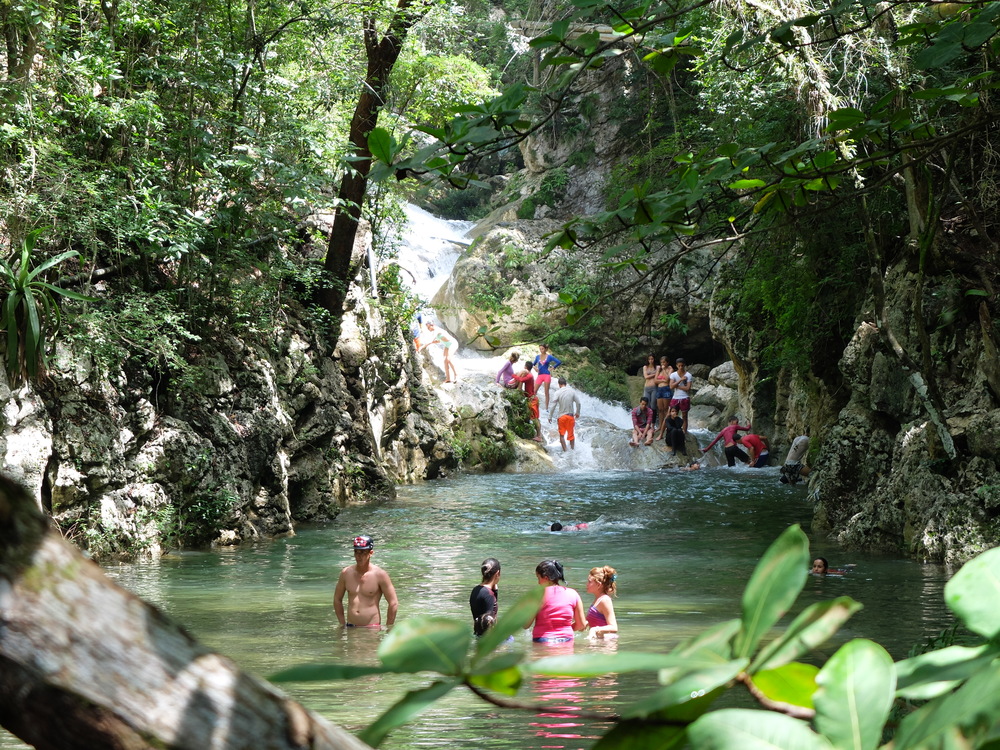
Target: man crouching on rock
x=365 y=585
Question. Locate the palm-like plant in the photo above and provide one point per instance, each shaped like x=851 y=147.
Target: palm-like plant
x=30 y=313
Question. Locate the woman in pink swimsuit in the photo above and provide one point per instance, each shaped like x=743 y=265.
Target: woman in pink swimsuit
x=561 y=612
x=601 y=615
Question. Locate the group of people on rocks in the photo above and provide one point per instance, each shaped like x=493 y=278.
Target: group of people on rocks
x=565 y=405
x=559 y=617
x=662 y=413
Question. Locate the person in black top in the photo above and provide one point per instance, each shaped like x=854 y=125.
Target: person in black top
x=483 y=600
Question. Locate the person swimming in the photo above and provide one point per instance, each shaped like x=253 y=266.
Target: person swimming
x=821 y=567
x=569 y=527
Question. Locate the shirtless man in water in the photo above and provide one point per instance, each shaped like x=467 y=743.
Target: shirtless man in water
x=365 y=585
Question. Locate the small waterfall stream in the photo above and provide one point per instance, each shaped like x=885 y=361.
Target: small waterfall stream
x=431 y=247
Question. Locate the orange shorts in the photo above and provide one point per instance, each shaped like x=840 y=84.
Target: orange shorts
x=533 y=407
x=566 y=424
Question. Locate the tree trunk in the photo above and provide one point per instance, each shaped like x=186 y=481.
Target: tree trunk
x=382 y=55
x=86 y=664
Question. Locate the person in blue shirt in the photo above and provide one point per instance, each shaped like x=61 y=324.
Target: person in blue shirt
x=543 y=361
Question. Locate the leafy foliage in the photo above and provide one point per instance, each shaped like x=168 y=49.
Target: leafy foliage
x=845 y=704
x=30 y=313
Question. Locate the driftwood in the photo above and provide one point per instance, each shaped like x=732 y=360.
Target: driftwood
x=86 y=664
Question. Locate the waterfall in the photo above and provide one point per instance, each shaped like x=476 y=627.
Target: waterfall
x=431 y=246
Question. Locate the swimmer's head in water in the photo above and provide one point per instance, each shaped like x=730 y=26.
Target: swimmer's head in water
x=820 y=565
x=556 y=527
x=550 y=570
x=363 y=543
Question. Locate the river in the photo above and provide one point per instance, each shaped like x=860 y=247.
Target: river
x=684 y=544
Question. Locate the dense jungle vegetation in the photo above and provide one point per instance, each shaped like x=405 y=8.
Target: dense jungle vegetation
x=162 y=165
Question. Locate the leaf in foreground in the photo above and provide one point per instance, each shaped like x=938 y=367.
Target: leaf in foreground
x=856 y=690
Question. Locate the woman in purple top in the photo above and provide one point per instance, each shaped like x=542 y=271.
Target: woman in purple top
x=601 y=615
x=562 y=609
x=543 y=361
x=505 y=376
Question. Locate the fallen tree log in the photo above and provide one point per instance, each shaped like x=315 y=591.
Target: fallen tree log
x=85 y=664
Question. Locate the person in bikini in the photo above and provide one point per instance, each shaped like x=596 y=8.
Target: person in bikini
x=601 y=615
x=449 y=344
x=365 y=584
x=543 y=361
x=663 y=394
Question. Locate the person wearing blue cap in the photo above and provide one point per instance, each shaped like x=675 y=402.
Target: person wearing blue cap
x=365 y=584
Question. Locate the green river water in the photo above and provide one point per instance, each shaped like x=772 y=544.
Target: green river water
x=684 y=544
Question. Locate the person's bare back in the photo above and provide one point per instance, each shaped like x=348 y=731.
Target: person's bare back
x=365 y=584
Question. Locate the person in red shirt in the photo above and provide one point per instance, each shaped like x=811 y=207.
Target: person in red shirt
x=756 y=446
x=642 y=423
x=526 y=379
x=728 y=436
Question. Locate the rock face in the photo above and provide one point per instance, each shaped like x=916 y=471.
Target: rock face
x=270 y=433
x=890 y=473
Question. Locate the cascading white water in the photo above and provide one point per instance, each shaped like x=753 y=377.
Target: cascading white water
x=430 y=248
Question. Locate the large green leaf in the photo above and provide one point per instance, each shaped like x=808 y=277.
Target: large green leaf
x=380 y=145
x=512 y=620
x=433 y=644
x=856 y=689
x=792 y=683
x=973 y=594
x=813 y=627
x=686 y=688
x=733 y=728
x=49 y=263
x=773 y=587
x=938 y=672
x=933 y=725
x=409 y=706
x=324 y=673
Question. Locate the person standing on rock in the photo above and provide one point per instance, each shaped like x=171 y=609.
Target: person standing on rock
x=505 y=376
x=663 y=393
x=543 y=361
x=680 y=381
x=649 y=371
x=449 y=344
x=365 y=584
x=566 y=402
